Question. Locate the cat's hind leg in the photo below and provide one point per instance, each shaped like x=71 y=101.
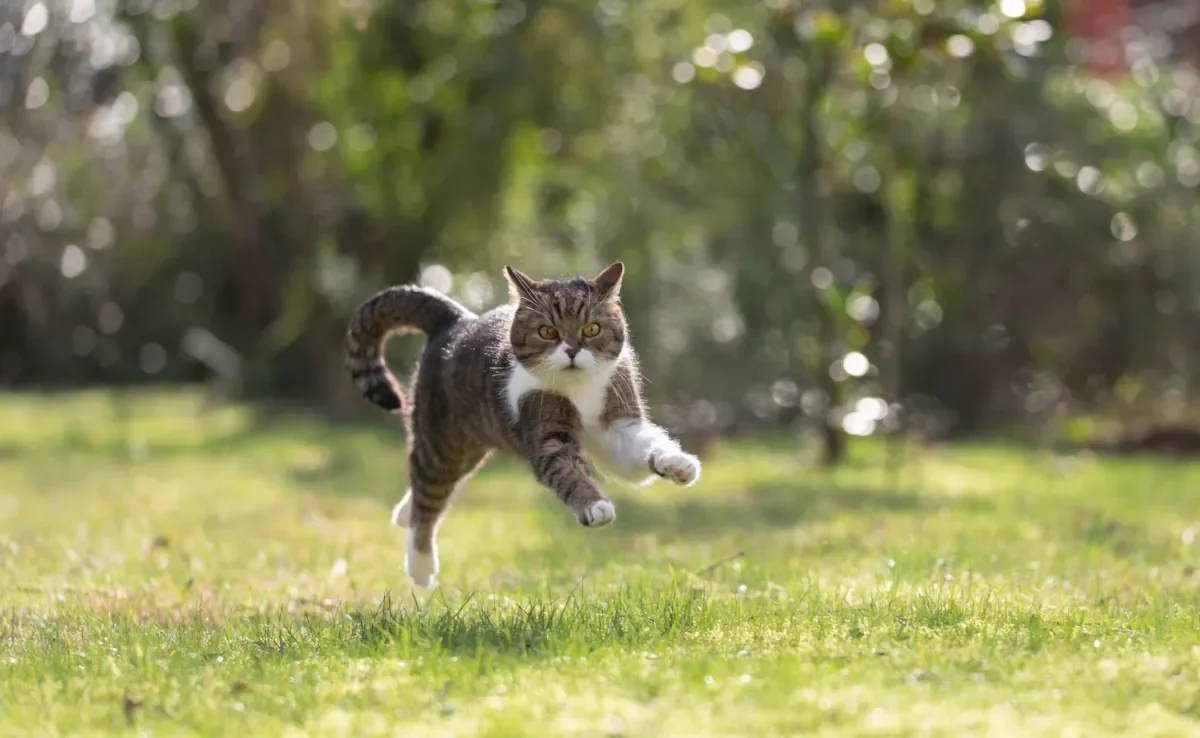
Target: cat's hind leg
x=434 y=475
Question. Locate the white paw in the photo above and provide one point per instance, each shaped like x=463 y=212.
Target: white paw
x=599 y=513
x=422 y=568
x=402 y=512
x=679 y=466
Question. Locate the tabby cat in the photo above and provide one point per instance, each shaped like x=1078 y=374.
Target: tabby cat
x=550 y=376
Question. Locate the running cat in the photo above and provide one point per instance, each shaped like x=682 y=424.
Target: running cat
x=551 y=376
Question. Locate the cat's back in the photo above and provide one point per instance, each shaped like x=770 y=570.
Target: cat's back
x=482 y=339
x=463 y=371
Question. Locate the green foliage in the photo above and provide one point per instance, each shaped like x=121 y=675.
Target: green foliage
x=788 y=183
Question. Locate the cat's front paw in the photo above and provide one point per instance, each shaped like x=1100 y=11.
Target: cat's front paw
x=597 y=514
x=679 y=466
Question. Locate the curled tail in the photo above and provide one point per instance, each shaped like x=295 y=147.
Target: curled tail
x=393 y=310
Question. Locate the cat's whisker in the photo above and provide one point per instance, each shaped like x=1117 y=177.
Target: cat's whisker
x=626 y=395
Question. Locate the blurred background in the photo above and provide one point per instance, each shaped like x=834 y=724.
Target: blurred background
x=839 y=218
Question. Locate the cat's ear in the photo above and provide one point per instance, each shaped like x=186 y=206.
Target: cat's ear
x=608 y=282
x=520 y=285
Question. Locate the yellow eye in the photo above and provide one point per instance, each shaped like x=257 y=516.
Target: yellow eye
x=591 y=330
x=548 y=332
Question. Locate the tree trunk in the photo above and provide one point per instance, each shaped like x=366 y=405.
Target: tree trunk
x=812 y=186
x=899 y=204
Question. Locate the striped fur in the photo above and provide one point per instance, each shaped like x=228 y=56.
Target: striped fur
x=390 y=311
x=505 y=381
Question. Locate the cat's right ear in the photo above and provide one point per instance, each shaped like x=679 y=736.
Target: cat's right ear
x=520 y=286
x=609 y=280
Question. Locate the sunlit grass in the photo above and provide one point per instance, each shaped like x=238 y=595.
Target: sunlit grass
x=164 y=566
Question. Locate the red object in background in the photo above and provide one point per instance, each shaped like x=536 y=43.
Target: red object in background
x=1100 y=23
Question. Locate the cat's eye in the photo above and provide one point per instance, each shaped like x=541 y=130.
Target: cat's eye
x=548 y=332
x=591 y=330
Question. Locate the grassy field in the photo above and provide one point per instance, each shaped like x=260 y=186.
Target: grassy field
x=172 y=571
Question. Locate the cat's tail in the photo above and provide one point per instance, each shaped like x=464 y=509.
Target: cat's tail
x=401 y=309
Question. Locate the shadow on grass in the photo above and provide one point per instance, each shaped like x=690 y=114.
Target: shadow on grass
x=780 y=504
x=479 y=625
x=643 y=619
x=344 y=449
x=176 y=421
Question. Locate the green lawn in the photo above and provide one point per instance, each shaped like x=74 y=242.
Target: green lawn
x=177 y=572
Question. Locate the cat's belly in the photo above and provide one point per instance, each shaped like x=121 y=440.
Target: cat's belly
x=615 y=450
x=599 y=449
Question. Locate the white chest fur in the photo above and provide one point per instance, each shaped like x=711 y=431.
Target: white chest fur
x=621 y=448
x=587 y=391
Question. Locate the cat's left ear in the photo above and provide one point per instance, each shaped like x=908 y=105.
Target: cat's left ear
x=608 y=282
x=520 y=285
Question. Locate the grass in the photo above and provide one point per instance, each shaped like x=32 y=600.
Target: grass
x=169 y=569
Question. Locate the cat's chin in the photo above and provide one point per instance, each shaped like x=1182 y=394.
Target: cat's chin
x=572 y=374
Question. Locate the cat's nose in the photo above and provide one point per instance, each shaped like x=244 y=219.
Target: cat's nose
x=571 y=352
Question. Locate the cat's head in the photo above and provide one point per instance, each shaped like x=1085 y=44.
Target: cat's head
x=568 y=325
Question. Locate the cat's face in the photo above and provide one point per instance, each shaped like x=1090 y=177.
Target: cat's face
x=570 y=326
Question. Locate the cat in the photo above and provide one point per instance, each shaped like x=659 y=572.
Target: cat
x=551 y=376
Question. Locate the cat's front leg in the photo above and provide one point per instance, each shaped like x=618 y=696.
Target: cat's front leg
x=677 y=465
x=550 y=432
x=636 y=445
